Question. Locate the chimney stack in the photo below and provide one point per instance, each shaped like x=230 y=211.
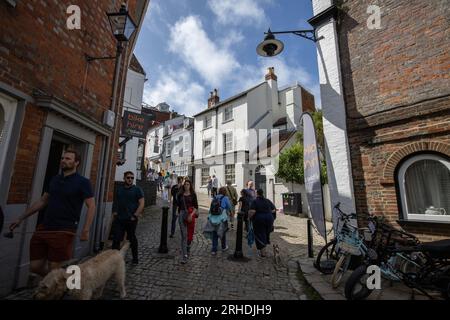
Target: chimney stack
x=213 y=99
x=271 y=74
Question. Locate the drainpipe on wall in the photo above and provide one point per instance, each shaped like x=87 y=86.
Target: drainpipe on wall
x=109 y=142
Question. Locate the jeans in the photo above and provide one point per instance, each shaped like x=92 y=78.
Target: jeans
x=215 y=241
x=119 y=229
x=174 y=219
x=184 y=236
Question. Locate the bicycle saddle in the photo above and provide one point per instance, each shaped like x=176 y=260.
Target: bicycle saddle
x=439 y=247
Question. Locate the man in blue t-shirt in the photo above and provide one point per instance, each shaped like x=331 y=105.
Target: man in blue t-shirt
x=52 y=243
x=127 y=208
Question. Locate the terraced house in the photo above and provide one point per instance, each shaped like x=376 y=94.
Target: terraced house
x=231 y=135
x=56 y=93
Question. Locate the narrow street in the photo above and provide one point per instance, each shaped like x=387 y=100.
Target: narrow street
x=162 y=276
x=207 y=277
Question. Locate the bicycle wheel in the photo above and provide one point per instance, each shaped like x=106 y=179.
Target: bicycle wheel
x=340 y=269
x=327 y=257
x=356 y=285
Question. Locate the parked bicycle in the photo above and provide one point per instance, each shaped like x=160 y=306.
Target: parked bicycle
x=329 y=254
x=336 y=256
x=400 y=257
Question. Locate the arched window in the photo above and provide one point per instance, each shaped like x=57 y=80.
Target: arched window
x=424 y=185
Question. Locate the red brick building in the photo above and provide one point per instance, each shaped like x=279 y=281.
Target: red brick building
x=386 y=105
x=52 y=97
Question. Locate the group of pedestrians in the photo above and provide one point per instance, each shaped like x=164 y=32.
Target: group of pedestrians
x=212 y=186
x=52 y=243
x=258 y=214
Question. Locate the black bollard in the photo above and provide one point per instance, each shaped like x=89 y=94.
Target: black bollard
x=163 y=243
x=310 y=239
x=238 y=251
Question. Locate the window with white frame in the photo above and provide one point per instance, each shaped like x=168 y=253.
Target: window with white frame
x=229 y=173
x=206 y=147
x=205 y=176
x=208 y=121
x=424 y=185
x=227 y=142
x=168 y=148
x=187 y=139
x=228 y=114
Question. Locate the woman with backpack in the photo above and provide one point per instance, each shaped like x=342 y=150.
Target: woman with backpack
x=188 y=211
x=262 y=214
x=218 y=218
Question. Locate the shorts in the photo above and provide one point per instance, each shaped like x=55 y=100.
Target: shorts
x=54 y=246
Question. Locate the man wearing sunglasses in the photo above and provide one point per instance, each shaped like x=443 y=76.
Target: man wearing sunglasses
x=128 y=207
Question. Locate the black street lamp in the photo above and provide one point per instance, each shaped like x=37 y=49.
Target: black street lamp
x=121 y=23
x=271 y=46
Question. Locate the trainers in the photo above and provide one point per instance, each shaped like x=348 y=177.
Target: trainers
x=213 y=253
x=225 y=249
x=171 y=236
x=184 y=260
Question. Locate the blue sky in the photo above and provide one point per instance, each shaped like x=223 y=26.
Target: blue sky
x=190 y=47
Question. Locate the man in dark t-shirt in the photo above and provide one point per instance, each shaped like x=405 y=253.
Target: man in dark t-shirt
x=52 y=243
x=127 y=209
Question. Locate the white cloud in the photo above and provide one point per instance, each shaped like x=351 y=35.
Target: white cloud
x=189 y=40
x=178 y=90
x=232 y=37
x=237 y=12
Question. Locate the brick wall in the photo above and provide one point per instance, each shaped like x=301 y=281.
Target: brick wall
x=396 y=89
x=38 y=52
x=308 y=101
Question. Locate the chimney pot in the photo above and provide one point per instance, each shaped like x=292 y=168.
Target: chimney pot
x=271 y=74
x=213 y=99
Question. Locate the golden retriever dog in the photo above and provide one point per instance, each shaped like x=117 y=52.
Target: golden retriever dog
x=94 y=274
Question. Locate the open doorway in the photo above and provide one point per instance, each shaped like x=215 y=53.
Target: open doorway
x=58 y=145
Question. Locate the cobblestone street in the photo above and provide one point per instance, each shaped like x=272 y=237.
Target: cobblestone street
x=162 y=276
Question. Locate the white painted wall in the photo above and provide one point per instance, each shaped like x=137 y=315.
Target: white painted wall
x=134 y=90
x=131 y=148
x=334 y=114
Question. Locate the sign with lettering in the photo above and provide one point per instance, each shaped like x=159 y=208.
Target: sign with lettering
x=311 y=165
x=135 y=124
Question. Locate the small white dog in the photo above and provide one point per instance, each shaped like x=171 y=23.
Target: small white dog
x=94 y=274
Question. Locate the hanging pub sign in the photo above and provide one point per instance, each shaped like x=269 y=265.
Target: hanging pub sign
x=135 y=124
x=311 y=165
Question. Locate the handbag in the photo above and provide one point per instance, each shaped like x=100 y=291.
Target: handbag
x=188 y=217
x=233 y=199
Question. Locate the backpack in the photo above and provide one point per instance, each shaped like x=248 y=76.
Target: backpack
x=216 y=206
